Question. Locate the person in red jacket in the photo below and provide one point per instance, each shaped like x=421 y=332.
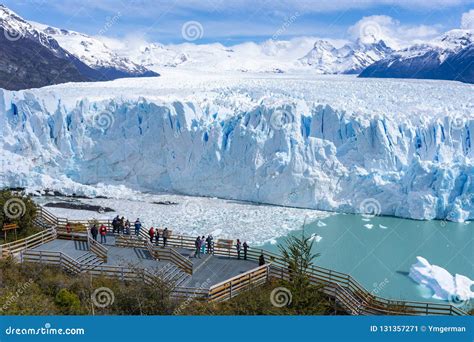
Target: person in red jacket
x=152 y=234
x=103 y=234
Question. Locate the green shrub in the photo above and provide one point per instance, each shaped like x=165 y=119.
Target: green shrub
x=18 y=209
x=68 y=302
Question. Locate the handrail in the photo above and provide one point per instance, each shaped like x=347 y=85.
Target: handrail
x=121 y=272
x=157 y=252
x=320 y=275
x=31 y=241
x=96 y=247
x=229 y=288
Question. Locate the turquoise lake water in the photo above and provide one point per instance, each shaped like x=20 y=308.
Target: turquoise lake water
x=380 y=256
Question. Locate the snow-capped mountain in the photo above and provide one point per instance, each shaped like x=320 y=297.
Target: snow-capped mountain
x=95 y=53
x=449 y=57
x=332 y=142
x=29 y=58
x=270 y=56
x=351 y=58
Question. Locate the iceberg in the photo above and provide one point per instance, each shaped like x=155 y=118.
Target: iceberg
x=456 y=289
x=335 y=143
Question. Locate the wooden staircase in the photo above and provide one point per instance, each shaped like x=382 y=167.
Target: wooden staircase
x=89 y=258
x=173 y=275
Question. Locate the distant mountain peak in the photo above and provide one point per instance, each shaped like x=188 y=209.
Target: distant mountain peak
x=348 y=59
x=448 y=57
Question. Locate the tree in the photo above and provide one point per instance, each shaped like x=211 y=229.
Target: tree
x=297 y=253
x=15 y=208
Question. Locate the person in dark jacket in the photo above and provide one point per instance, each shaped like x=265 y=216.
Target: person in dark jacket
x=246 y=247
x=261 y=260
x=238 y=245
x=209 y=244
x=103 y=234
x=138 y=226
x=197 y=245
x=115 y=224
x=94 y=232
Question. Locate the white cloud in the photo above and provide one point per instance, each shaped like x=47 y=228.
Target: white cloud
x=382 y=27
x=467 y=20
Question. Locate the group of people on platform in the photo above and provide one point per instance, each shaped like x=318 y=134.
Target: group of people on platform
x=156 y=234
x=102 y=230
x=119 y=226
x=202 y=244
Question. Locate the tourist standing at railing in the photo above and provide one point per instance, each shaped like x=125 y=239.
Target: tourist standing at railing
x=261 y=260
x=138 y=226
x=151 y=232
x=203 y=245
x=68 y=227
x=246 y=247
x=121 y=225
x=115 y=224
x=103 y=234
x=239 y=247
x=157 y=236
x=197 y=245
x=127 y=227
x=165 y=236
x=209 y=244
x=94 y=232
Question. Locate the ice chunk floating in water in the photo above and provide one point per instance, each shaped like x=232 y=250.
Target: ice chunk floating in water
x=456 y=289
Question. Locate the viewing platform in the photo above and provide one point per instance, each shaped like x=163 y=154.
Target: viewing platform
x=214 y=277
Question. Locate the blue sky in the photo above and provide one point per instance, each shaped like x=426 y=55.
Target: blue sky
x=235 y=21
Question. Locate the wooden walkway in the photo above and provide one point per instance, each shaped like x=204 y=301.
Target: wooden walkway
x=207 y=271
x=214 y=277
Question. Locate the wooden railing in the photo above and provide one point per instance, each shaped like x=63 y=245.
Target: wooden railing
x=339 y=285
x=117 y=272
x=157 y=252
x=97 y=248
x=242 y=282
x=37 y=239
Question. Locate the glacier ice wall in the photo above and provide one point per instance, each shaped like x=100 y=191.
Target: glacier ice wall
x=292 y=154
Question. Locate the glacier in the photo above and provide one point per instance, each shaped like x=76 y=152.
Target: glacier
x=337 y=143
